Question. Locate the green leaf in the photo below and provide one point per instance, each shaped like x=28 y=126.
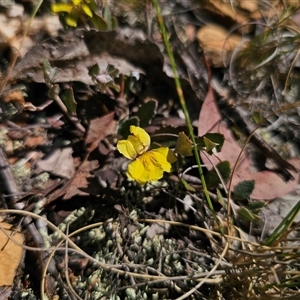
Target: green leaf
x=99 y=22
x=94 y=70
x=187 y=186
x=248 y=215
x=110 y=20
x=217 y=139
x=112 y=71
x=183 y=145
x=49 y=73
x=256 y=205
x=69 y=100
x=212 y=179
x=171 y=158
x=243 y=190
x=220 y=198
x=124 y=128
x=209 y=145
x=281 y=230
x=54 y=91
x=146 y=112
x=210 y=141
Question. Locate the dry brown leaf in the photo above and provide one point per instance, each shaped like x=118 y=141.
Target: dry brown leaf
x=99 y=128
x=251 y=6
x=268 y=184
x=80 y=180
x=10 y=255
x=227 y=10
x=35 y=141
x=59 y=163
x=217 y=43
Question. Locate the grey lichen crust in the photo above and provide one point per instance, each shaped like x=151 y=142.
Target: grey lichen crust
x=139 y=252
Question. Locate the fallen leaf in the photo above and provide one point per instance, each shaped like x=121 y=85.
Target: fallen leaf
x=79 y=182
x=268 y=184
x=10 y=254
x=217 y=43
x=227 y=10
x=99 y=128
x=59 y=163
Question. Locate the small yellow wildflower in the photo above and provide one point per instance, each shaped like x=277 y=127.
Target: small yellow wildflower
x=146 y=165
x=75 y=10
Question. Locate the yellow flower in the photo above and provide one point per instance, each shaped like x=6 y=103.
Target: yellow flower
x=75 y=10
x=146 y=165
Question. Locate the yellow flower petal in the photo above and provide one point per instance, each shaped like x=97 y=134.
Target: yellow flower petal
x=71 y=21
x=77 y=2
x=126 y=148
x=142 y=139
x=159 y=158
x=150 y=166
x=61 y=7
x=87 y=10
x=136 y=144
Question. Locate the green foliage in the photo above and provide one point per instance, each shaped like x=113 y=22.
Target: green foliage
x=143 y=118
x=210 y=141
x=146 y=112
x=49 y=73
x=283 y=228
x=183 y=145
x=250 y=212
x=212 y=178
x=243 y=190
x=68 y=99
x=106 y=79
x=187 y=186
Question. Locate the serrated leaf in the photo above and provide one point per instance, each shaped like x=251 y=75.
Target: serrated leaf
x=212 y=179
x=69 y=100
x=243 y=190
x=183 y=145
x=146 y=112
x=124 y=128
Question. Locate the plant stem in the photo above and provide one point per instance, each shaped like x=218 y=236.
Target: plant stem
x=182 y=99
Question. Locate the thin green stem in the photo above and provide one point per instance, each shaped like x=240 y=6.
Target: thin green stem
x=181 y=98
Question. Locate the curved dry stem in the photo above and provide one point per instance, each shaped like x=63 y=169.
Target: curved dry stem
x=190 y=292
